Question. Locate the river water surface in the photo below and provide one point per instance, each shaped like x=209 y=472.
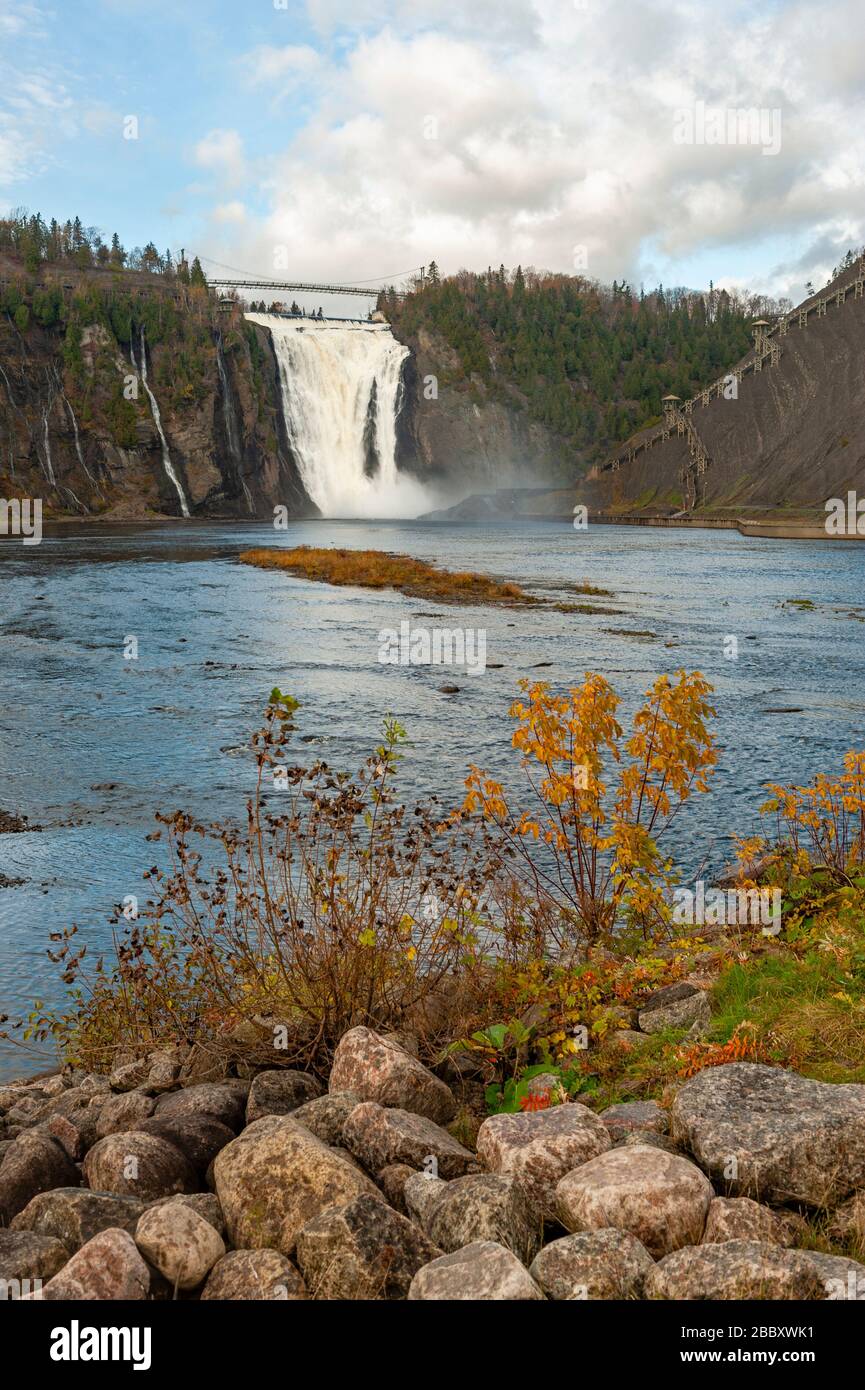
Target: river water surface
x=93 y=743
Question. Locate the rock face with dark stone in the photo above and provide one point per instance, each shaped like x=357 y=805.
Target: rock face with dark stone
x=734 y=1269
x=482 y=1271
x=363 y=1250
x=773 y=1135
x=138 y=1165
x=604 y=1264
x=279 y=1093
x=275 y=1177
x=484 y=1206
x=74 y=1215
x=263 y=1275
x=26 y=1255
x=693 y=1011
x=35 y=1163
x=326 y=1116
x=660 y=1198
x=379 y=1070
x=538 y=1148
x=378 y=1137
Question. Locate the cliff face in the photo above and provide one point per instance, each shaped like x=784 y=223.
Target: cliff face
x=791 y=437
x=457 y=433
x=76 y=424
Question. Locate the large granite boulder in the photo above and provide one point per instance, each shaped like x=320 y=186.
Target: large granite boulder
x=35 y=1163
x=773 y=1135
x=138 y=1165
x=538 y=1148
x=379 y=1136
x=326 y=1116
x=74 y=1215
x=378 y=1069
x=484 y=1206
x=604 y=1264
x=481 y=1272
x=660 y=1198
x=275 y=1178
x=734 y=1269
x=279 y=1093
x=738 y=1218
x=263 y=1275
x=108 y=1267
x=223 y=1101
x=26 y=1256
x=179 y=1243
x=634 y=1117
x=363 y=1250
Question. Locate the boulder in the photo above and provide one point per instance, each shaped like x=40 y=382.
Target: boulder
x=841 y=1279
x=484 y=1206
x=379 y=1070
x=223 y=1101
x=734 y=1269
x=420 y=1194
x=847 y=1222
x=279 y=1093
x=164 y=1071
x=129 y=1076
x=74 y=1215
x=363 y=1250
x=669 y=994
x=378 y=1137
x=275 y=1178
x=660 y=1198
x=34 y=1163
x=647 y=1137
x=538 y=1148
x=607 y=1264
x=692 y=1012
x=773 y=1135
x=481 y=1272
x=27 y=1255
x=392 y=1180
x=634 y=1117
x=138 y=1165
x=738 y=1218
x=108 y=1267
x=264 y=1275
x=198 y=1137
x=205 y=1204
x=123 y=1112
x=326 y=1116
x=180 y=1243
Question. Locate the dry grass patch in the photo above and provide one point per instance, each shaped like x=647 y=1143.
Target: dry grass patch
x=379 y=569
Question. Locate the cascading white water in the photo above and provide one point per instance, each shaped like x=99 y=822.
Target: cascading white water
x=170 y=470
x=341 y=392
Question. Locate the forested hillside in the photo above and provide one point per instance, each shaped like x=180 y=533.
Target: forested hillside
x=587 y=361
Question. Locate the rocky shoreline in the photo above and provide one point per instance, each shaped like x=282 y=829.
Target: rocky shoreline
x=172 y=1179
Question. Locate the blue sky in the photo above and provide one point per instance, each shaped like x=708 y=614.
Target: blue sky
x=351 y=139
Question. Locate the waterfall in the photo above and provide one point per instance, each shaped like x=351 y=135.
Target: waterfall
x=170 y=471
x=47 y=440
x=79 y=451
x=342 y=389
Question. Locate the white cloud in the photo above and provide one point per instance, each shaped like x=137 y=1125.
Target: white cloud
x=293 y=61
x=221 y=153
x=518 y=130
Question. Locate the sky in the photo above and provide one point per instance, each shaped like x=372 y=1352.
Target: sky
x=353 y=140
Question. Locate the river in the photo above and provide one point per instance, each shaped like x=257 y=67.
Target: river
x=95 y=740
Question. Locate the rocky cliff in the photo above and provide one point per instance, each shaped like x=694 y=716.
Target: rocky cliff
x=77 y=426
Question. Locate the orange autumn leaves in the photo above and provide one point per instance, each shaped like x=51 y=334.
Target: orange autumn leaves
x=601 y=801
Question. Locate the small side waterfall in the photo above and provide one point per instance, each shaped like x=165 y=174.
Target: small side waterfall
x=78 y=450
x=341 y=395
x=170 y=471
x=46 y=439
